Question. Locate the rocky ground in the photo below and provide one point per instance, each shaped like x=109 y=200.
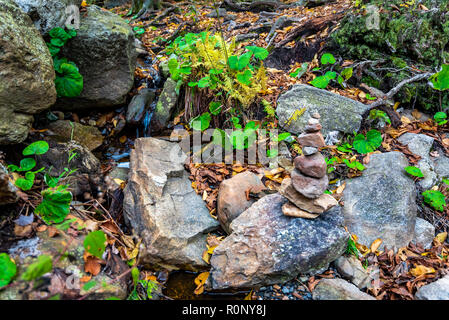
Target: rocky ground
x=328 y=220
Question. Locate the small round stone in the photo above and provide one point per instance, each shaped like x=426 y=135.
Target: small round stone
x=316 y=115
x=313 y=121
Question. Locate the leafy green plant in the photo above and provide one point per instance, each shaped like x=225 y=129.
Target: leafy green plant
x=8 y=269
x=37 y=269
x=299 y=72
x=379 y=114
x=354 y=164
x=414 y=171
x=367 y=144
x=440 y=118
x=435 y=199
x=68 y=82
x=351 y=248
x=55 y=205
x=143 y=289
x=323 y=81
x=95 y=243
x=440 y=80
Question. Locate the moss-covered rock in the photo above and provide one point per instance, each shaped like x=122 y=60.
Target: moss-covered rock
x=408 y=38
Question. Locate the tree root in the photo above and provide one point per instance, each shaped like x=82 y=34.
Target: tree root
x=256 y=6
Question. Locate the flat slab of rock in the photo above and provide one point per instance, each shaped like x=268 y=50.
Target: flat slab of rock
x=338 y=289
x=311 y=188
x=381 y=203
x=318 y=205
x=26 y=72
x=163 y=209
x=232 y=200
x=438 y=290
x=266 y=247
x=88 y=136
x=338 y=113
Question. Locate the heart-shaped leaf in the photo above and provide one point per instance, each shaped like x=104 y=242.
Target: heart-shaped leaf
x=38 y=147
x=8 y=269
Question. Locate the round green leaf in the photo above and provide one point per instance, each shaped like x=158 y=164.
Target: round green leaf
x=95 y=243
x=414 y=171
x=202 y=122
x=24 y=184
x=69 y=83
x=55 y=205
x=38 y=147
x=8 y=269
x=27 y=164
x=327 y=58
x=369 y=143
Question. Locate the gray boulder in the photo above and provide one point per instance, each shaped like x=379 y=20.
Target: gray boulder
x=26 y=73
x=381 y=203
x=266 y=247
x=104 y=51
x=48 y=14
x=438 y=290
x=138 y=105
x=424 y=233
x=163 y=209
x=338 y=289
x=338 y=113
x=420 y=144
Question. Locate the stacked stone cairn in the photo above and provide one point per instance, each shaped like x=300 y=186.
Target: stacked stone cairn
x=305 y=189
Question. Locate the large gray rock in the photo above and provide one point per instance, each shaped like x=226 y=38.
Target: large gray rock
x=420 y=144
x=105 y=54
x=48 y=14
x=424 y=233
x=266 y=247
x=338 y=113
x=26 y=73
x=381 y=203
x=163 y=209
x=438 y=290
x=338 y=289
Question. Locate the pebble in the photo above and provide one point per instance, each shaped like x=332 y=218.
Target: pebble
x=308 y=151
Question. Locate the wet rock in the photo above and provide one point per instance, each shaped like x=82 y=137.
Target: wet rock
x=104 y=51
x=315 y=140
x=318 y=205
x=48 y=14
x=163 y=209
x=338 y=112
x=438 y=290
x=352 y=270
x=338 y=289
x=421 y=144
x=232 y=200
x=312 y=166
x=8 y=191
x=311 y=188
x=26 y=72
x=381 y=203
x=424 y=233
x=138 y=105
x=266 y=247
x=57 y=158
x=88 y=136
x=165 y=106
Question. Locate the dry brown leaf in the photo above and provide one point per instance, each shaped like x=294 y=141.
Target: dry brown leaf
x=421 y=270
x=92 y=265
x=375 y=245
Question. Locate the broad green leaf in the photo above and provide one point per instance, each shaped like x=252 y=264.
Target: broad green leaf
x=89 y=285
x=57 y=42
x=60 y=33
x=440 y=117
x=38 y=147
x=95 y=243
x=27 y=164
x=327 y=58
x=435 y=199
x=369 y=143
x=414 y=171
x=215 y=107
x=244 y=60
x=202 y=122
x=69 y=82
x=8 y=269
x=440 y=80
x=282 y=136
x=347 y=73
x=244 y=77
x=173 y=66
x=323 y=81
x=204 y=82
x=259 y=53
x=55 y=205
x=37 y=269
x=24 y=184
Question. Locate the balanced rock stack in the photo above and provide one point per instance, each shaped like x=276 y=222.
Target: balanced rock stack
x=309 y=179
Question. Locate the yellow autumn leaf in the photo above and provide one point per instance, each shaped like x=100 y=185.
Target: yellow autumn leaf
x=420 y=270
x=441 y=237
x=375 y=245
x=249 y=296
x=200 y=281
